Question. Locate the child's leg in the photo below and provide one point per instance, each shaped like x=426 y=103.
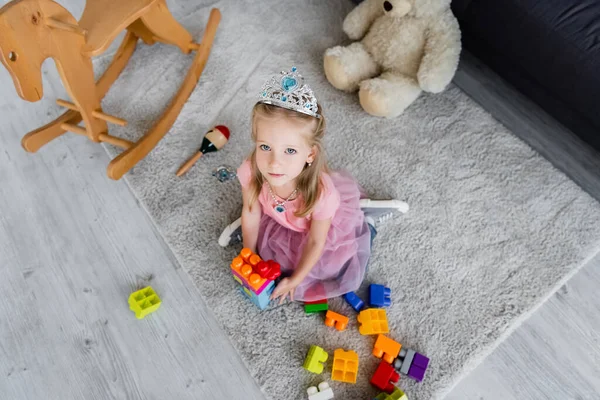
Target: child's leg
x=373 y=232
x=232 y=233
x=378 y=211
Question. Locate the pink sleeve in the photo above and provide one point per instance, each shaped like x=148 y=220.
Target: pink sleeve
x=329 y=201
x=244 y=173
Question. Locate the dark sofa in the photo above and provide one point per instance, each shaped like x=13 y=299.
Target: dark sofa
x=547 y=49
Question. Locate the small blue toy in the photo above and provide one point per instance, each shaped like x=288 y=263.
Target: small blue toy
x=224 y=173
x=354 y=301
x=379 y=296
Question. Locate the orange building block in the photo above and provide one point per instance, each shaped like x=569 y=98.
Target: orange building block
x=345 y=366
x=373 y=321
x=243 y=263
x=390 y=347
x=338 y=320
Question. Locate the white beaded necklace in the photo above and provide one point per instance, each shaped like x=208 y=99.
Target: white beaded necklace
x=278 y=205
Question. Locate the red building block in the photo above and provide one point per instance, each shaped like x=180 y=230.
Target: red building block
x=384 y=378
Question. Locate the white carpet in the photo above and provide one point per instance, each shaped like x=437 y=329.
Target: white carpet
x=493 y=227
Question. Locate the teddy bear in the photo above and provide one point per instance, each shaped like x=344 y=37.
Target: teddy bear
x=405 y=47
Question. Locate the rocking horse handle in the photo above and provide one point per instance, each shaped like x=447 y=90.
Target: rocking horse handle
x=124 y=161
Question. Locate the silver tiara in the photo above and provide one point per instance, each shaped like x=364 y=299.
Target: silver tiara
x=288 y=90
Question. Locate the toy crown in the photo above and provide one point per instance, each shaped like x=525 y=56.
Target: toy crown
x=288 y=90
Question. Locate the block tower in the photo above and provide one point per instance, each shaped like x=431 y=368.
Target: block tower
x=256 y=277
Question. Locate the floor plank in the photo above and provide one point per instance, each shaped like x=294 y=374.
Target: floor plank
x=555 y=354
x=73 y=246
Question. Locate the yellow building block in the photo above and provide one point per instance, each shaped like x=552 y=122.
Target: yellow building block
x=386 y=348
x=345 y=366
x=314 y=359
x=373 y=321
x=144 y=302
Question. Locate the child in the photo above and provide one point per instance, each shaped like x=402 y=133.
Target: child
x=296 y=211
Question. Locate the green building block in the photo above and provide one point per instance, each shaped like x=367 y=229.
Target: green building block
x=144 y=302
x=314 y=359
x=313 y=308
x=397 y=394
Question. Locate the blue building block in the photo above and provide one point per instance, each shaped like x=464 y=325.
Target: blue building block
x=354 y=301
x=262 y=300
x=379 y=296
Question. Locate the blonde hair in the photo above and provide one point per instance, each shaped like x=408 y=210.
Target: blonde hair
x=309 y=183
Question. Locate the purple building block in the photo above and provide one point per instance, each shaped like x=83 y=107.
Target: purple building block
x=354 y=301
x=418 y=367
x=379 y=296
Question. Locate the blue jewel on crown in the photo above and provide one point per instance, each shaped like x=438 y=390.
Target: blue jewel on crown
x=288 y=90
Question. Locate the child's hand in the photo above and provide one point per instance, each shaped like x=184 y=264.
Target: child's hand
x=286 y=286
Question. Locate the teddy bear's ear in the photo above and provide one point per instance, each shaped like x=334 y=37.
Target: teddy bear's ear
x=359 y=20
x=427 y=8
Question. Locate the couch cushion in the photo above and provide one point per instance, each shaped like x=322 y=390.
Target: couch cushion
x=551 y=44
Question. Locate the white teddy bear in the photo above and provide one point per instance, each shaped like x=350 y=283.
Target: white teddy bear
x=407 y=46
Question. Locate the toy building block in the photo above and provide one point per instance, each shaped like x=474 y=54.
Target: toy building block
x=268 y=269
x=373 y=321
x=354 y=301
x=407 y=361
x=379 y=296
x=412 y=364
x=345 y=366
x=314 y=359
x=384 y=378
x=323 y=393
x=315 y=306
x=255 y=276
x=418 y=367
x=144 y=302
x=322 y=301
x=386 y=348
x=261 y=300
x=397 y=394
x=338 y=320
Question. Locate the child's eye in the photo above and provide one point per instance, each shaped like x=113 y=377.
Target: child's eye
x=290 y=151
x=264 y=147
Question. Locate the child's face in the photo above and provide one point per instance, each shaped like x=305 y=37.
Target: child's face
x=282 y=149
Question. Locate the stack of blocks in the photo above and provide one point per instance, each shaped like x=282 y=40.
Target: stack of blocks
x=311 y=307
x=255 y=276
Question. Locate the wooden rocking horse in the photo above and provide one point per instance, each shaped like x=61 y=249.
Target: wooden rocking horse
x=33 y=30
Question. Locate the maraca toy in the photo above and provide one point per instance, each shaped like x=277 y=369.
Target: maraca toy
x=214 y=140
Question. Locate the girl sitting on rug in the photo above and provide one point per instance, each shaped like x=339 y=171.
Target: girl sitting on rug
x=296 y=211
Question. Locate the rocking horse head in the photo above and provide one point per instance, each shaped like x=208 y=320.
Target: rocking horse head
x=28 y=37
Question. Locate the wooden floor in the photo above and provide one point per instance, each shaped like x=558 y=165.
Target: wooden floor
x=74 y=244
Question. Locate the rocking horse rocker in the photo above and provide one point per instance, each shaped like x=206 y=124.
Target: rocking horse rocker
x=33 y=30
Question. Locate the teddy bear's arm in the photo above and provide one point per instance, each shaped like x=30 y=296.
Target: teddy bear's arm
x=441 y=55
x=358 y=21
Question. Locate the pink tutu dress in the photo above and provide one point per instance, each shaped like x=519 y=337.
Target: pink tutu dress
x=282 y=236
